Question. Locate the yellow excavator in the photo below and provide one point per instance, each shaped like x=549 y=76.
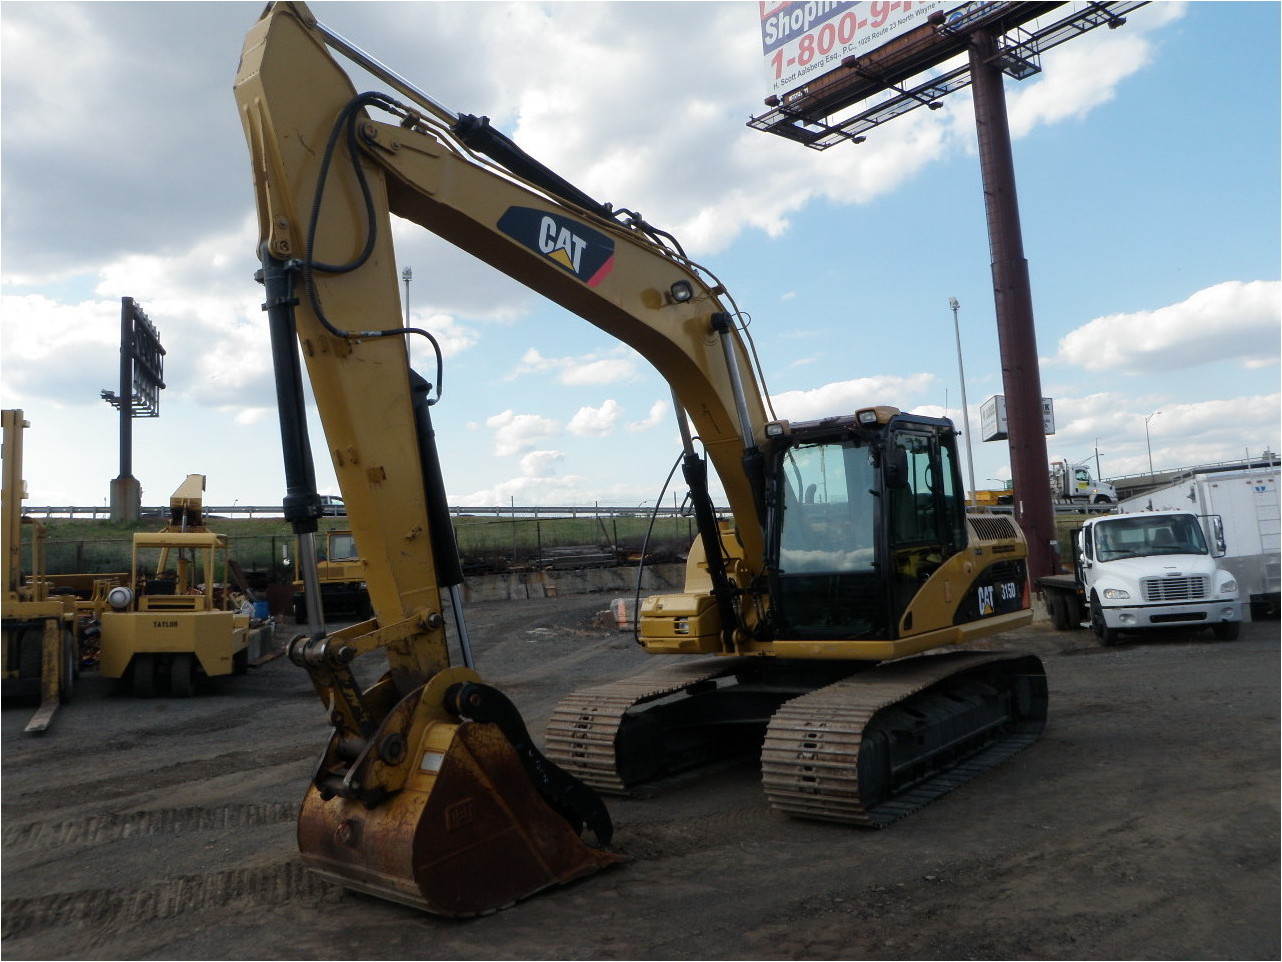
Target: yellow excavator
x=848 y=549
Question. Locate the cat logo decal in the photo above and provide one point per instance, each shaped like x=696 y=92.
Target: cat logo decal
x=584 y=252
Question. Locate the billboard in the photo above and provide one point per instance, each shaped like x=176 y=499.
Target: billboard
x=805 y=39
x=992 y=418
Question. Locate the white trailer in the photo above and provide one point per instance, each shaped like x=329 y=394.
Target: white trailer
x=1246 y=499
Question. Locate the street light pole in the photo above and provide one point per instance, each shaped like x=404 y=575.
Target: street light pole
x=1149 y=443
x=961 y=374
x=407 y=275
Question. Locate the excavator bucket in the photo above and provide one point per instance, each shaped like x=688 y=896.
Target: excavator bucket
x=468 y=834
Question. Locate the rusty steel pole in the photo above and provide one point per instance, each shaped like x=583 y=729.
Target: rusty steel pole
x=1017 y=337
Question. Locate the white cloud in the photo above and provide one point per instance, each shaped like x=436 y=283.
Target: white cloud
x=1084 y=75
x=202 y=302
x=514 y=433
x=452 y=337
x=1192 y=433
x=1231 y=321
x=1179 y=433
x=603 y=135
x=658 y=413
x=540 y=464
x=582 y=370
x=590 y=422
x=49 y=345
x=1093 y=416
x=845 y=397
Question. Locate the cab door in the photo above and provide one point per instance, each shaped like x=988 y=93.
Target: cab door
x=925 y=511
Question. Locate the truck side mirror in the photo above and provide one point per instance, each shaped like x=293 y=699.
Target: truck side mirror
x=1217 y=530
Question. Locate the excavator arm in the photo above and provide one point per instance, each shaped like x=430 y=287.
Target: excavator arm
x=430 y=791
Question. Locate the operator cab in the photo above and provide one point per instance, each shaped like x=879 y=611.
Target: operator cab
x=862 y=510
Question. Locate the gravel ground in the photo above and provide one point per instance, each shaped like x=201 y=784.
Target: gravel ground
x=1143 y=825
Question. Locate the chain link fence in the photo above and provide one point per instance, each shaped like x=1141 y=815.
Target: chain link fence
x=486 y=545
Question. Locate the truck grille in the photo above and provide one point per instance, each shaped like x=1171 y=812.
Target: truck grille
x=1174 y=589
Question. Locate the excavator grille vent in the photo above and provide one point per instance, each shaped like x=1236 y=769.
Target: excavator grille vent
x=992 y=527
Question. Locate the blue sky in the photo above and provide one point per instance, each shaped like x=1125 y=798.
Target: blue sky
x=1147 y=161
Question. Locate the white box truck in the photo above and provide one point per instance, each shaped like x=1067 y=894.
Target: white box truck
x=1246 y=499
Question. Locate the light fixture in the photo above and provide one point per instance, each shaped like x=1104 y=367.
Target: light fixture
x=120 y=598
x=682 y=291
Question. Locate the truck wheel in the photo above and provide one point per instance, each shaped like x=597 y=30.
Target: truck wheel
x=144 y=676
x=1226 y=630
x=1057 y=606
x=1107 y=636
x=182 y=675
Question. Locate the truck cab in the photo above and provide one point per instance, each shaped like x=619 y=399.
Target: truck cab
x=1155 y=570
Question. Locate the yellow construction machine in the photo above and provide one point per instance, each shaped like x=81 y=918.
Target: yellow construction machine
x=178 y=620
x=848 y=548
x=340 y=572
x=40 y=647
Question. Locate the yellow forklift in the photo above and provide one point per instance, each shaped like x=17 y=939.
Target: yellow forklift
x=178 y=620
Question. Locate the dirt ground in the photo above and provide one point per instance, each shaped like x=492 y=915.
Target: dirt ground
x=1143 y=825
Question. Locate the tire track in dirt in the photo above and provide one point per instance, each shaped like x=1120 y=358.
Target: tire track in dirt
x=109 y=789
x=107 y=911
x=104 y=829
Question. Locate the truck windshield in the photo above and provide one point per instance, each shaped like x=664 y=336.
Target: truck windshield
x=1133 y=537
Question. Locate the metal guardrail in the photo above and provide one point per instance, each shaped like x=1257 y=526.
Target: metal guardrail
x=274 y=511
x=1267 y=460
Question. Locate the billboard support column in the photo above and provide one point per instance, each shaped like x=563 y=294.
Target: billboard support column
x=126 y=492
x=1017 y=337
x=142 y=362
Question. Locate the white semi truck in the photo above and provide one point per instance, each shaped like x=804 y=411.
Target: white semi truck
x=1072 y=483
x=1146 y=570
